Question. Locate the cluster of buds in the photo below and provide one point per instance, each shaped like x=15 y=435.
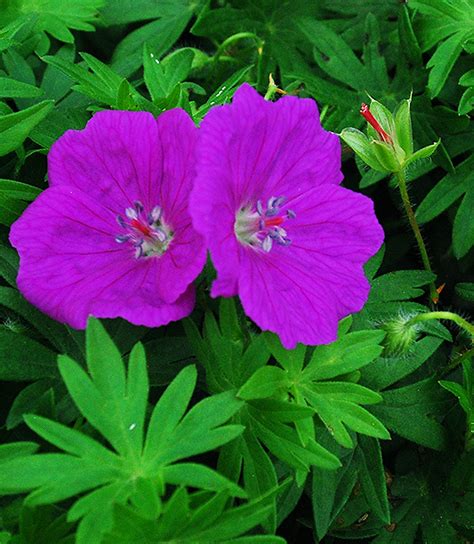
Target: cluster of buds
x=388 y=146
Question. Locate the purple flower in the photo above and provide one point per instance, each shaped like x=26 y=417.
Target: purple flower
x=112 y=235
x=282 y=233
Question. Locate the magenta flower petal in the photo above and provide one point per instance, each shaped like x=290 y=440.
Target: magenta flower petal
x=281 y=232
x=262 y=146
x=177 y=162
x=72 y=267
x=125 y=245
x=302 y=290
x=114 y=159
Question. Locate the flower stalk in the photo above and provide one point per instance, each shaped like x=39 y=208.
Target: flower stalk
x=402 y=185
x=449 y=316
x=388 y=147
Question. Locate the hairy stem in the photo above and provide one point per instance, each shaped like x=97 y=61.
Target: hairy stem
x=450 y=316
x=402 y=184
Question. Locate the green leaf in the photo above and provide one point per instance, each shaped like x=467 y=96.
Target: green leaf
x=462 y=394
x=37 y=397
x=272 y=23
x=349 y=353
x=170 y=409
x=259 y=473
x=372 y=476
x=200 y=476
x=9 y=88
x=450 y=25
x=332 y=53
x=465 y=290
x=16 y=449
x=442 y=62
x=280 y=410
x=224 y=93
x=161 y=77
x=409 y=411
x=102 y=85
x=159 y=35
x=22 y=358
x=18 y=190
x=431 y=490
x=466 y=104
x=444 y=194
x=13 y=198
x=15 y=127
x=131 y=11
x=384 y=372
x=9 y=262
x=386 y=156
x=42 y=524
x=264 y=383
x=56 y=16
x=61 y=337
x=71 y=440
x=399 y=285
x=335 y=411
x=204 y=520
x=284 y=442
x=331 y=490
x=114 y=402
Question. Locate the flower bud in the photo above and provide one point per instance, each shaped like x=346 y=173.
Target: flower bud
x=388 y=146
x=400 y=335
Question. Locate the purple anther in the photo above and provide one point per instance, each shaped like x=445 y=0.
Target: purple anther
x=121 y=222
x=121 y=238
x=271 y=202
x=271 y=212
x=279 y=202
x=290 y=214
x=259 y=207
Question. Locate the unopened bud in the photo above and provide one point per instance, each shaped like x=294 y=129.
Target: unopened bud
x=388 y=146
x=400 y=335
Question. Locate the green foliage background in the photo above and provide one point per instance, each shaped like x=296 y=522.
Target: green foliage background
x=208 y=430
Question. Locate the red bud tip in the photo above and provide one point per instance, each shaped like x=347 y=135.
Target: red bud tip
x=366 y=113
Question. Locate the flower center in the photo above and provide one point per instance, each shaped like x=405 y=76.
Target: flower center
x=261 y=226
x=147 y=232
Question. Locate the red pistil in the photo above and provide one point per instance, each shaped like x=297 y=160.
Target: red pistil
x=144 y=229
x=274 y=221
x=366 y=113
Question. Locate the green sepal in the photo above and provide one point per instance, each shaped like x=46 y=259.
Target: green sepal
x=361 y=145
x=422 y=153
x=386 y=155
x=403 y=128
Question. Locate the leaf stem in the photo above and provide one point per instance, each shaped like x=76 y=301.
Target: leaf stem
x=402 y=184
